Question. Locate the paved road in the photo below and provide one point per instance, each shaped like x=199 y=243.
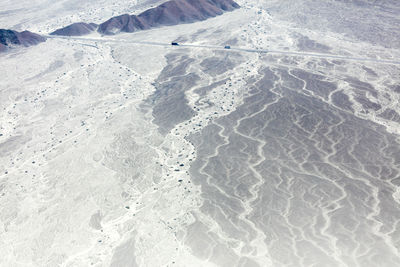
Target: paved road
x=236 y=49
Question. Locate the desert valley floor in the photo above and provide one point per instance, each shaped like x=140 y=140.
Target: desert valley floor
x=126 y=151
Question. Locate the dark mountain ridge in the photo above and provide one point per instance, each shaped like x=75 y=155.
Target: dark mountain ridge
x=9 y=38
x=122 y=23
x=76 y=29
x=172 y=12
x=169 y=13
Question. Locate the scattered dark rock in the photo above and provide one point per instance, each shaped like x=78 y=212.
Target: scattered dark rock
x=390 y=114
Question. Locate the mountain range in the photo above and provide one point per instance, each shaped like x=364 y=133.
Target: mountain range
x=76 y=29
x=172 y=12
x=169 y=13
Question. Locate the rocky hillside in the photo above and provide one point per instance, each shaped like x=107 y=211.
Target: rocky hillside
x=169 y=13
x=185 y=11
x=10 y=38
x=76 y=29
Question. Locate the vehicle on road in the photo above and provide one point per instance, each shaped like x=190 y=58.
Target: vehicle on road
x=227 y=47
x=174 y=43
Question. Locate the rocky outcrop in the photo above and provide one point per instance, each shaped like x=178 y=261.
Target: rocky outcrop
x=10 y=38
x=76 y=29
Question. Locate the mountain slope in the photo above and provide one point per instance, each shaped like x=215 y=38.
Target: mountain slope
x=169 y=13
x=9 y=38
x=76 y=29
x=122 y=23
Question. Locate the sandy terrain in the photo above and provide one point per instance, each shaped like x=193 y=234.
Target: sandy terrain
x=127 y=151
